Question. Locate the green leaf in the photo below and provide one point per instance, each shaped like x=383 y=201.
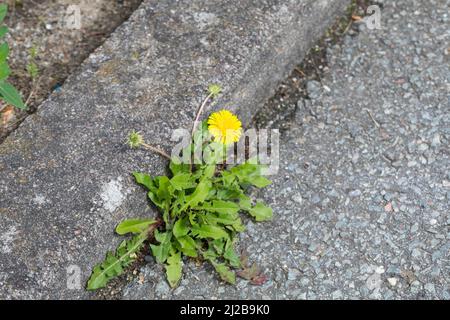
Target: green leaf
x=218 y=245
x=188 y=246
x=179 y=201
x=11 y=95
x=145 y=180
x=209 y=171
x=3 y=11
x=164 y=191
x=179 y=168
x=225 y=272
x=260 y=182
x=210 y=254
x=228 y=178
x=114 y=264
x=231 y=256
x=182 y=181
x=229 y=194
x=180 y=228
x=174 y=269
x=261 y=212
x=245 y=203
x=249 y=173
x=161 y=251
x=4 y=51
x=159 y=203
x=213 y=232
x=4 y=71
x=233 y=221
x=3 y=31
x=160 y=193
x=134 y=226
x=219 y=206
x=199 y=195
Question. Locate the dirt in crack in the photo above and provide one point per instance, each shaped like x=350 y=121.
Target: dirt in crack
x=42 y=26
x=292 y=93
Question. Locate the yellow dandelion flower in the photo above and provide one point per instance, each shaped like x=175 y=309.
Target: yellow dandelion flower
x=225 y=127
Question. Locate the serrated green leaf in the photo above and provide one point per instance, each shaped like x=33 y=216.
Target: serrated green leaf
x=199 y=195
x=205 y=231
x=180 y=228
x=219 y=206
x=11 y=95
x=174 y=268
x=226 y=220
x=145 y=180
x=188 y=246
x=228 y=178
x=160 y=191
x=225 y=272
x=210 y=254
x=161 y=251
x=134 y=226
x=218 y=245
x=228 y=194
x=182 y=181
x=232 y=257
x=261 y=212
x=249 y=173
x=4 y=51
x=260 y=181
x=245 y=203
x=114 y=264
x=3 y=11
x=179 y=201
x=209 y=171
x=164 y=190
x=179 y=168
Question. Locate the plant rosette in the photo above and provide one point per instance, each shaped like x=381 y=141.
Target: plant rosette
x=200 y=207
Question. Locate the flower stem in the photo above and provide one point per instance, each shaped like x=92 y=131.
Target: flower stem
x=157 y=150
x=199 y=112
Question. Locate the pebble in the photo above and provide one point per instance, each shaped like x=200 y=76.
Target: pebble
x=336 y=295
x=430 y=288
x=297 y=198
x=355 y=193
x=392 y=281
x=436 y=141
x=314 y=89
x=374 y=281
x=380 y=270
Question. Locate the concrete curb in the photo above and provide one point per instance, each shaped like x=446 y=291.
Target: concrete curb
x=66 y=172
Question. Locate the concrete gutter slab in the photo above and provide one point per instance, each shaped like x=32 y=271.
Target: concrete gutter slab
x=65 y=173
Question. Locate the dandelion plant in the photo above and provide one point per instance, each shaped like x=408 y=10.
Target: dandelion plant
x=199 y=206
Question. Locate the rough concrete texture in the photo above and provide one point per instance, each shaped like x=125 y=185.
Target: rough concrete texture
x=66 y=172
x=361 y=206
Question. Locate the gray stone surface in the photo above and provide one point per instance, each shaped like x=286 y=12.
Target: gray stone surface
x=65 y=173
x=361 y=205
